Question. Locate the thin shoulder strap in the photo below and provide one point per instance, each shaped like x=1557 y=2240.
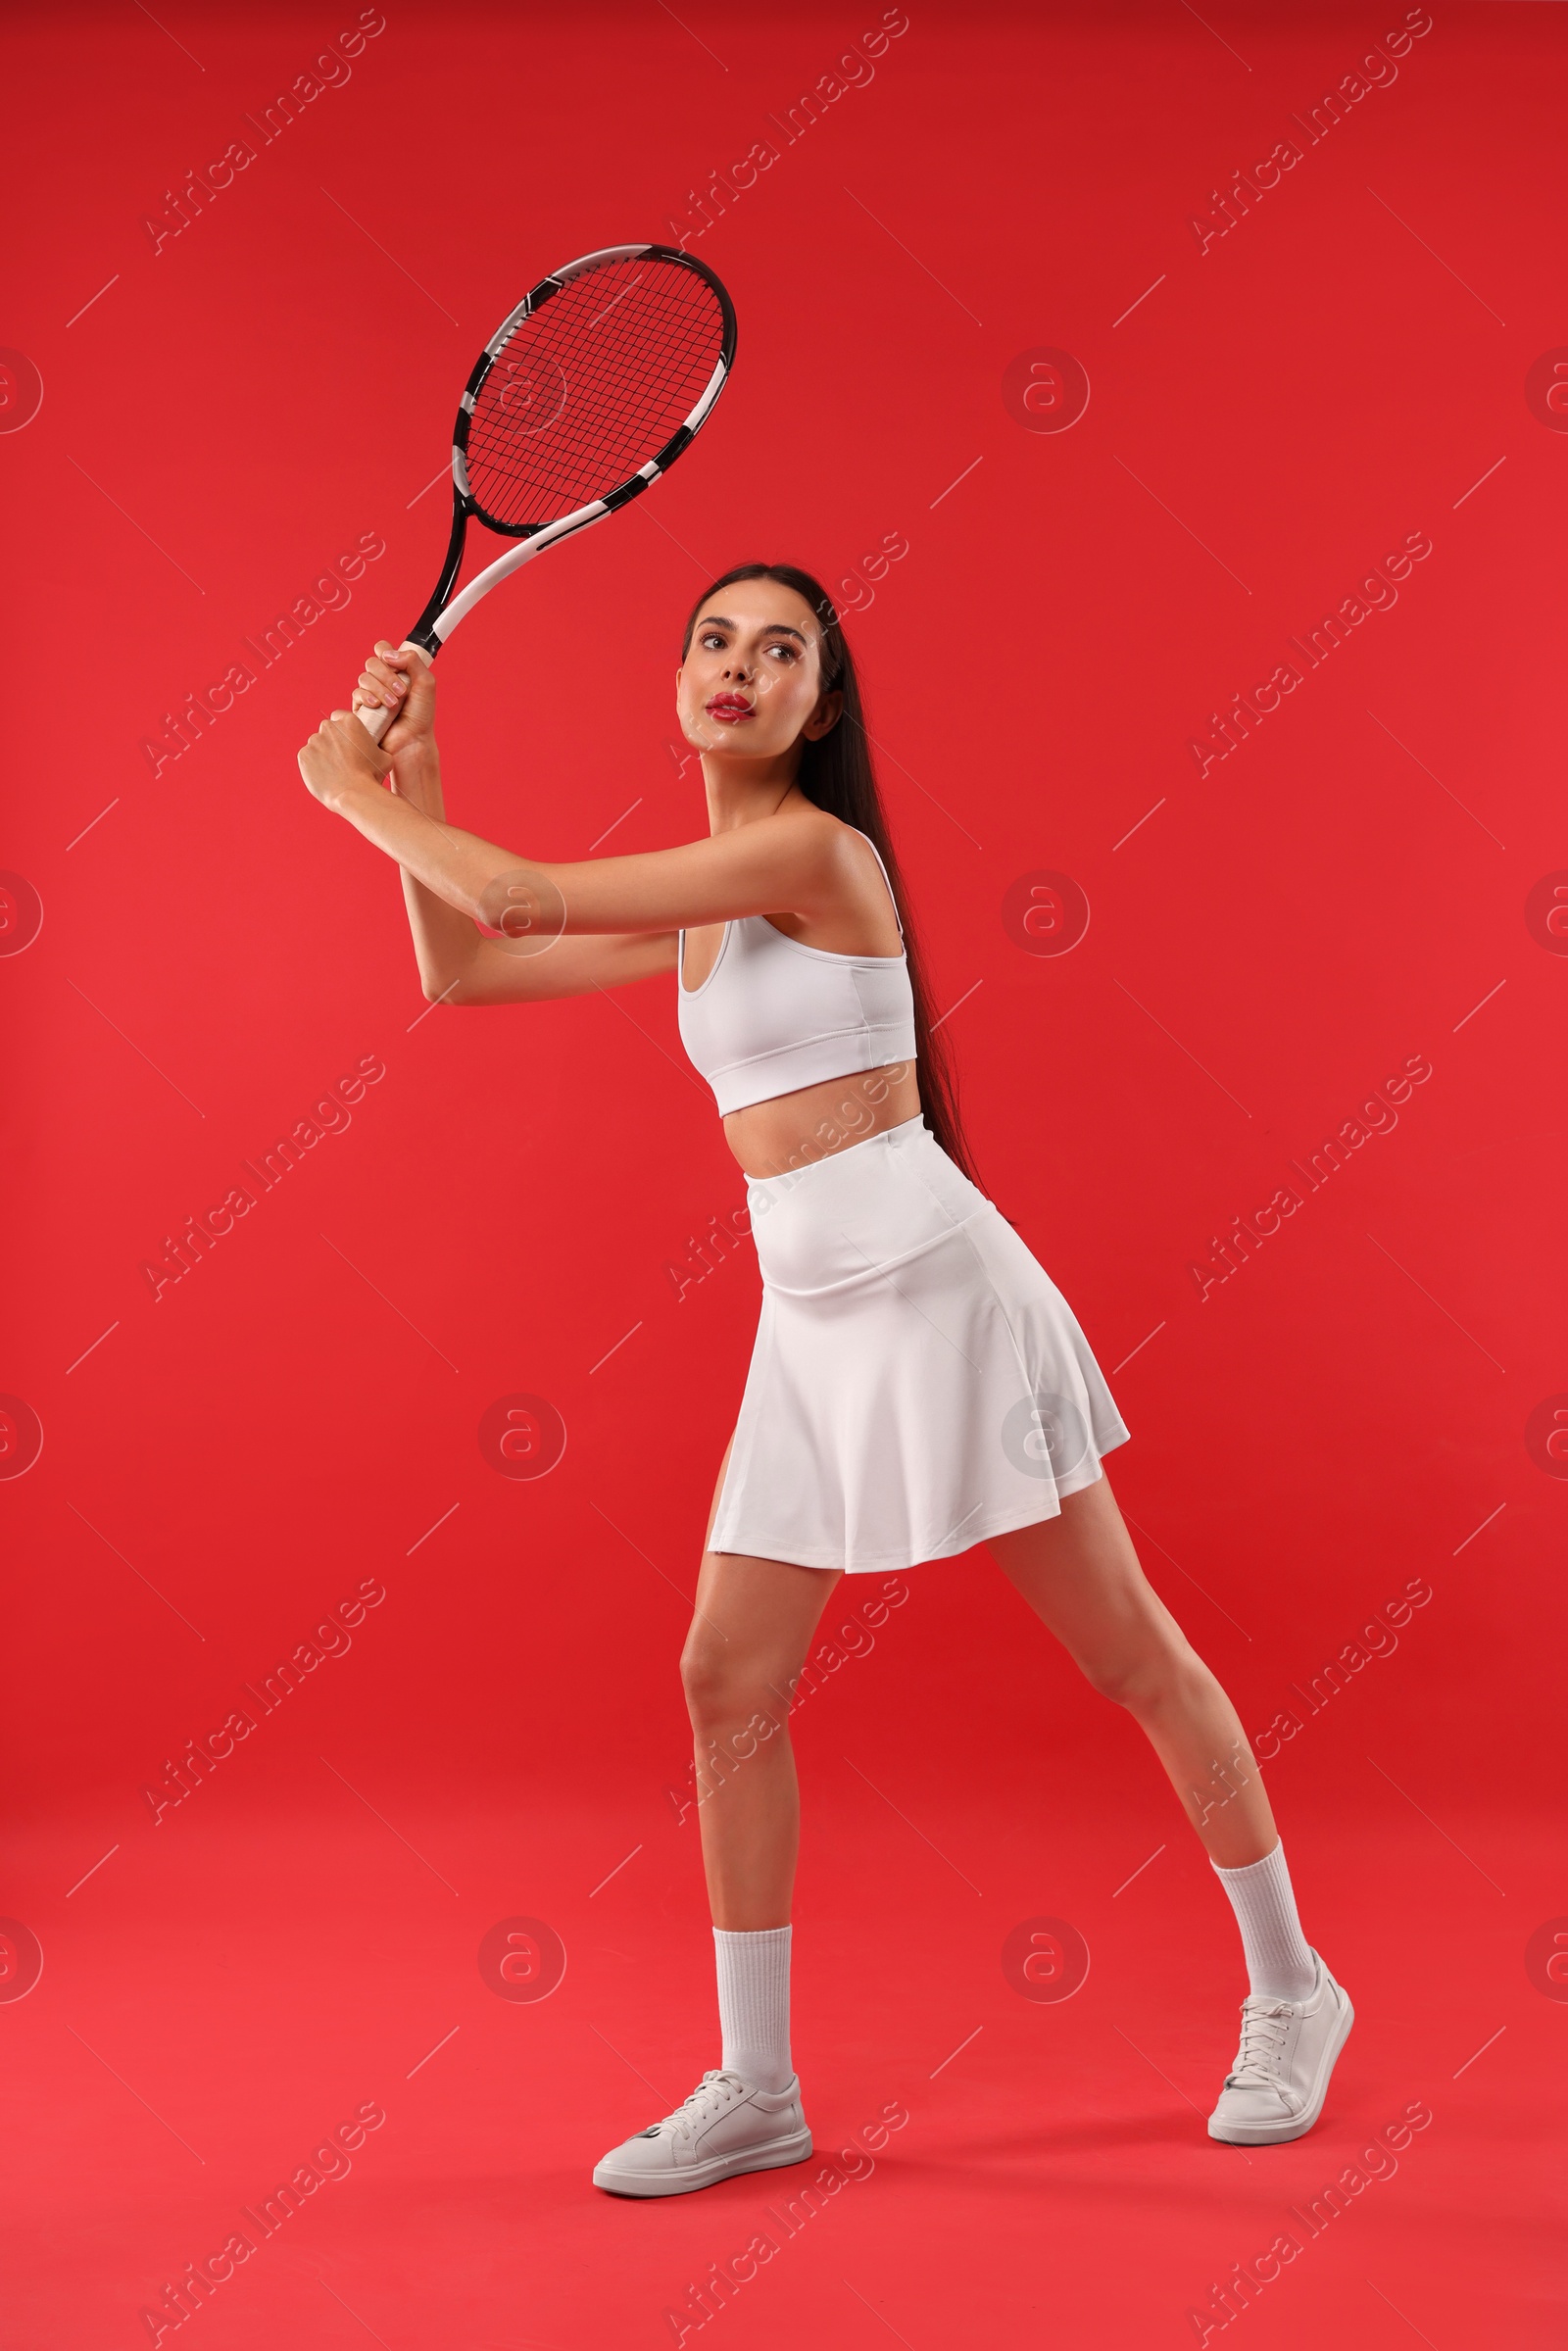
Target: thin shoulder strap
x=878 y=854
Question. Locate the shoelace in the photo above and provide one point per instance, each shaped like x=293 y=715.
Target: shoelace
x=690 y=2109
x=1265 y=2025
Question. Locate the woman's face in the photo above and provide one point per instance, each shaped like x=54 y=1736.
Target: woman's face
x=751 y=685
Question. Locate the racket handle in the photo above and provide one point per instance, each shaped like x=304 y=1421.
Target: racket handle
x=376 y=722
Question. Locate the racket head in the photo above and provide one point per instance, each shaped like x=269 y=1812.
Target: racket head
x=591 y=387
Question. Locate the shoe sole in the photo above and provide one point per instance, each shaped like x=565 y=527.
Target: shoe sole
x=778 y=2152
x=1274 y=2134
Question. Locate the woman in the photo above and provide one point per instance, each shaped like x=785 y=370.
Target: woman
x=919 y=1384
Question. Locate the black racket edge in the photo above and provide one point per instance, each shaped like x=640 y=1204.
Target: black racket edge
x=464 y=507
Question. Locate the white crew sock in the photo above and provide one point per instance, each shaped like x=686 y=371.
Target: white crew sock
x=753 y=2004
x=1279 y=1960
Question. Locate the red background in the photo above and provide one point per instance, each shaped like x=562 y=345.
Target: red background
x=1348 y=1412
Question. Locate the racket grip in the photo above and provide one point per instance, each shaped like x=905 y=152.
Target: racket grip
x=376 y=722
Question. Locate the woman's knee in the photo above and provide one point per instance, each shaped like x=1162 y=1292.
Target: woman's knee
x=1141 y=1673
x=724 y=1689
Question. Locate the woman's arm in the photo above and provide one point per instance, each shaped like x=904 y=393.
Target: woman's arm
x=445 y=942
x=783 y=865
x=457 y=964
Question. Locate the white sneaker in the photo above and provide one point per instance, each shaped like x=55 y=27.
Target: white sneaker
x=727 y=2125
x=1279 y=2081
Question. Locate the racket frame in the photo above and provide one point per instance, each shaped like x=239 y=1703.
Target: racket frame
x=439 y=617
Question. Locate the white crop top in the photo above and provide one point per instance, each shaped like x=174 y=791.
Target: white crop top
x=773 y=1016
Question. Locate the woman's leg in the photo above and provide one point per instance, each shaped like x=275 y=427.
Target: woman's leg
x=1080 y=1576
x=750 y=1627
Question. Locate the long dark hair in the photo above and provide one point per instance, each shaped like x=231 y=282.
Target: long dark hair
x=837 y=774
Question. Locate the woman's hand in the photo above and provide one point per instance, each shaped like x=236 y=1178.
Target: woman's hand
x=397 y=678
x=341 y=757
x=340 y=763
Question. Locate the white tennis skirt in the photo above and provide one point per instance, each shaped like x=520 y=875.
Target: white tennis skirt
x=919 y=1382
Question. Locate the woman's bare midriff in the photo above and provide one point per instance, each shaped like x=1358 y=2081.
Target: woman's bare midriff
x=793 y=1129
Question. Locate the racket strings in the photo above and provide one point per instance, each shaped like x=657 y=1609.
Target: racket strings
x=589 y=388
x=588 y=397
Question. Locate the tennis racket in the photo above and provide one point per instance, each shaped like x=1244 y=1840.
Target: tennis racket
x=585 y=394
